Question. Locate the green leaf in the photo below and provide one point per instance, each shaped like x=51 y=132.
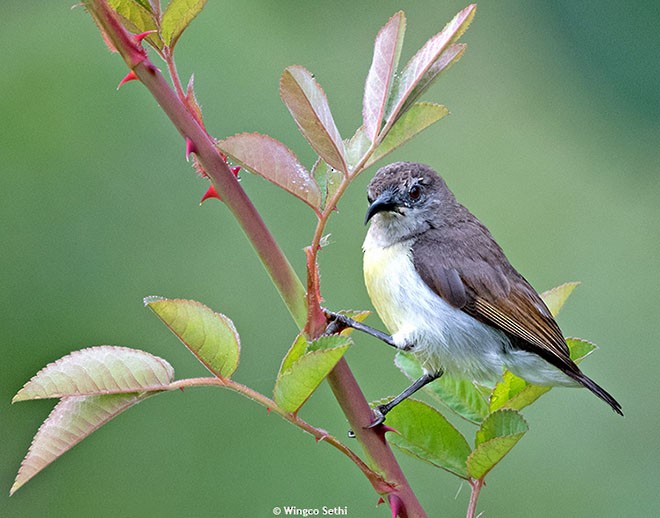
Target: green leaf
x=329 y=342
x=295 y=385
x=309 y=107
x=328 y=180
x=177 y=17
x=417 y=69
x=99 y=370
x=426 y=434
x=459 y=395
x=210 y=336
x=72 y=419
x=515 y=393
x=295 y=352
x=498 y=434
x=417 y=119
x=357 y=147
x=274 y=161
x=580 y=349
x=387 y=50
x=556 y=297
x=138 y=17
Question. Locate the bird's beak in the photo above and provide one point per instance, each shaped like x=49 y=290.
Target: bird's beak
x=385 y=202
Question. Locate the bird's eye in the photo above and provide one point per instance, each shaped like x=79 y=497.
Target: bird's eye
x=415 y=192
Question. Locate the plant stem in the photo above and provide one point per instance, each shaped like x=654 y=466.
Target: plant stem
x=475 y=486
x=272 y=257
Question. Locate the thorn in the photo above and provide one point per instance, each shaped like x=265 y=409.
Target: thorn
x=381 y=500
x=322 y=437
x=268 y=410
x=396 y=505
x=181 y=388
x=142 y=35
x=384 y=428
x=211 y=193
x=235 y=170
x=131 y=76
x=190 y=148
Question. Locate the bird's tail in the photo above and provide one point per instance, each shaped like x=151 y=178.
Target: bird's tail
x=586 y=381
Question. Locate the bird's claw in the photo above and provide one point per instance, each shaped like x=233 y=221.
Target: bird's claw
x=379 y=418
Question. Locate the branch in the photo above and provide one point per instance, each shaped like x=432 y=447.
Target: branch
x=277 y=265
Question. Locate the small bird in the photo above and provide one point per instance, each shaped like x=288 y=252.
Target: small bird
x=447 y=293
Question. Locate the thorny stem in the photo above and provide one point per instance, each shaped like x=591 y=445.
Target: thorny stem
x=272 y=257
x=475 y=485
x=341 y=379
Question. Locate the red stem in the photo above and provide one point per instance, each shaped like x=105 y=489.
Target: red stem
x=476 y=486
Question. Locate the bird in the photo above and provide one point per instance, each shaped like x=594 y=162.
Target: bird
x=447 y=293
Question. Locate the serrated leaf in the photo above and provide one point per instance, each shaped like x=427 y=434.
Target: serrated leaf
x=328 y=180
x=387 y=50
x=579 y=349
x=295 y=352
x=72 y=419
x=99 y=370
x=210 y=336
x=177 y=17
x=356 y=147
x=419 y=117
x=450 y=56
x=498 y=434
x=556 y=297
x=138 y=17
x=459 y=395
x=329 y=342
x=295 y=385
x=274 y=161
x=500 y=424
x=309 y=107
x=516 y=393
x=426 y=434
x=418 y=66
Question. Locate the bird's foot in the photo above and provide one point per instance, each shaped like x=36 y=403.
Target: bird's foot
x=379 y=417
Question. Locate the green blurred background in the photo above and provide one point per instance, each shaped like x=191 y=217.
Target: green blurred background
x=553 y=142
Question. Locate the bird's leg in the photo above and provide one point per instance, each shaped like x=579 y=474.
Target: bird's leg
x=339 y=322
x=382 y=410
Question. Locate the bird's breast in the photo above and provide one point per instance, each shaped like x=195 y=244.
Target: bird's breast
x=388 y=275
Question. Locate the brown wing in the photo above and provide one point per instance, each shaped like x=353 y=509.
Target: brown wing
x=487 y=287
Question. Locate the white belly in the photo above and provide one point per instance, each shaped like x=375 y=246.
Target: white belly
x=441 y=336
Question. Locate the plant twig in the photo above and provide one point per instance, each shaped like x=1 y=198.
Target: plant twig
x=475 y=485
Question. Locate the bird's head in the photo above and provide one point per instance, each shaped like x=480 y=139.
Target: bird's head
x=407 y=198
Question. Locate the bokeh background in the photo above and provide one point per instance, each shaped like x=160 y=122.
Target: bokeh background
x=553 y=141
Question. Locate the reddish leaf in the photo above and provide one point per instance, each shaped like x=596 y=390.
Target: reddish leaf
x=387 y=50
x=72 y=419
x=450 y=56
x=420 y=63
x=267 y=157
x=105 y=369
x=309 y=107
